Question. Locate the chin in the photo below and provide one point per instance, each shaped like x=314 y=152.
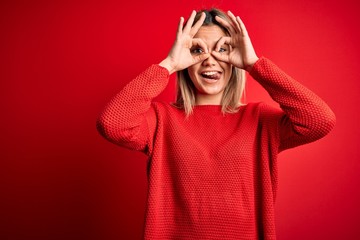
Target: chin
x=211 y=91
x=211 y=87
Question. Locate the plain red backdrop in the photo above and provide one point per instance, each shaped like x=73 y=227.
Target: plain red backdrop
x=61 y=61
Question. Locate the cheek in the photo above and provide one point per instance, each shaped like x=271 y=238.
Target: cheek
x=192 y=72
x=227 y=70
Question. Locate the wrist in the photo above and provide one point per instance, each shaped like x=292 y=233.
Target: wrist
x=166 y=63
x=250 y=65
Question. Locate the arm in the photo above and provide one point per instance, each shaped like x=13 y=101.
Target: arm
x=128 y=119
x=305 y=116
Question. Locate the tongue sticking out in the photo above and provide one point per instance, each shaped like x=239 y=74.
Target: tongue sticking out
x=215 y=76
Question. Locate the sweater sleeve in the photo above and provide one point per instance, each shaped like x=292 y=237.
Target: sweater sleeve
x=304 y=117
x=129 y=119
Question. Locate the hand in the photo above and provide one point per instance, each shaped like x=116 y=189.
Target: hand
x=242 y=54
x=180 y=56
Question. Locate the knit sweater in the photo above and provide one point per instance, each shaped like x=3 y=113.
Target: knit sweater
x=213 y=175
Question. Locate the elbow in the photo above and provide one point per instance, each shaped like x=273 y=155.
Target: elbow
x=323 y=125
x=310 y=129
x=102 y=127
x=107 y=127
x=329 y=122
x=107 y=130
x=115 y=131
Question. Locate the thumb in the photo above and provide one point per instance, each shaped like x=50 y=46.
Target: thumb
x=220 y=57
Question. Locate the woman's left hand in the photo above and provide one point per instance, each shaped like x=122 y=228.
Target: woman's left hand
x=242 y=54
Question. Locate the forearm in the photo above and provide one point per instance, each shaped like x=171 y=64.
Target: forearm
x=124 y=118
x=309 y=117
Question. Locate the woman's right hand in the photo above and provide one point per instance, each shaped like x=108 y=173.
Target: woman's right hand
x=180 y=56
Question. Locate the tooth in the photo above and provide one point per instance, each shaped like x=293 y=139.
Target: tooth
x=209 y=73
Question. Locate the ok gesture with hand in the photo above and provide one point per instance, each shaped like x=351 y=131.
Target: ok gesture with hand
x=180 y=56
x=242 y=54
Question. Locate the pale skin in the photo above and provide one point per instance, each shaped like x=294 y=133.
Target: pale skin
x=209 y=89
x=240 y=54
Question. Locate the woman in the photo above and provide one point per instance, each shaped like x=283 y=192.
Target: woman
x=212 y=166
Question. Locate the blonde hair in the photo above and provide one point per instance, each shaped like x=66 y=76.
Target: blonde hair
x=233 y=95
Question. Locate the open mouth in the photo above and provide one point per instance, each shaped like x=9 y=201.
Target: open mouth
x=211 y=75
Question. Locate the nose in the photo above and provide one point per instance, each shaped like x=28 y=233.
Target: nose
x=210 y=61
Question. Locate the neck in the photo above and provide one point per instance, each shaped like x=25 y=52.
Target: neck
x=206 y=99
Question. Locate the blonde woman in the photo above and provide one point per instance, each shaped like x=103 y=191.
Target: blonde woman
x=212 y=168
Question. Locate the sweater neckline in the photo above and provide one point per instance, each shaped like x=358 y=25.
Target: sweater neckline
x=210 y=108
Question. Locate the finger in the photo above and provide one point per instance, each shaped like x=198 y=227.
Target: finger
x=200 y=57
x=199 y=42
x=234 y=21
x=189 y=22
x=180 y=27
x=198 y=24
x=226 y=25
x=242 y=26
x=221 y=57
x=223 y=40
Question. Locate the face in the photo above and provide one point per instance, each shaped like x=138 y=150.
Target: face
x=210 y=76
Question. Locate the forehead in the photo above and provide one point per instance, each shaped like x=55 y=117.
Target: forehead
x=210 y=34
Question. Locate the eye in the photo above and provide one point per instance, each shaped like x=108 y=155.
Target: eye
x=222 y=50
x=197 y=50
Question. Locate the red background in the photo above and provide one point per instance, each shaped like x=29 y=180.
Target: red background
x=61 y=61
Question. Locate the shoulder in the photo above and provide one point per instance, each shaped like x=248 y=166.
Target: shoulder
x=260 y=107
x=167 y=108
x=263 y=111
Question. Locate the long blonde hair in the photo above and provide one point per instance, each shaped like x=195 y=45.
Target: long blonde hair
x=233 y=94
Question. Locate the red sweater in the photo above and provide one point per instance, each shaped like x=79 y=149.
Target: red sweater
x=213 y=176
